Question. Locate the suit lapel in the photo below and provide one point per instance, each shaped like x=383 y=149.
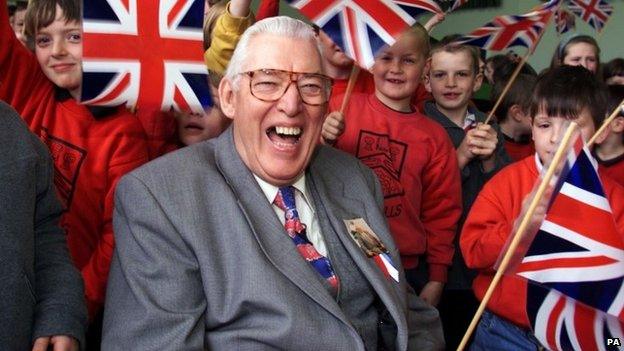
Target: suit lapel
x=340 y=205
x=266 y=227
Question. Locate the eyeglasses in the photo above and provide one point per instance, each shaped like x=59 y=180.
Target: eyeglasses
x=271 y=84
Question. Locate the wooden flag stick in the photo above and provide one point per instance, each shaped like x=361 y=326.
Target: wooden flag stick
x=508 y=86
x=561 y=151
x=352 y=79
x=606 y=123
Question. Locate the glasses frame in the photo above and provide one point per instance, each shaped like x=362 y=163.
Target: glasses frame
x=251 y=74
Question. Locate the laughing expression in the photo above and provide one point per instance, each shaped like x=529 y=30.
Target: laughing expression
x=274 y=139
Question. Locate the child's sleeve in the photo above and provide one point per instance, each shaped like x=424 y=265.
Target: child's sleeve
x=267 y=8
x=487 y=227
x=130 y=152
x=225 y=37
x=441 y=206
x=22 y=83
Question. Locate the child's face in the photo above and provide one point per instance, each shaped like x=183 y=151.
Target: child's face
x=452 y=80
x=58 y=48
x=18 y=25
x=548 y=131
x=332 y=53
x=193 y=128
x=581 y=54
x=397 y=72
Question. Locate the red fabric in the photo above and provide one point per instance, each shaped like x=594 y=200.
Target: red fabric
x=518 y=151
x=90 y=155
x=490 y=223
x=416 y=165
x=160 y=129
x=366 y=84
x=613 y=168
x=267 y=8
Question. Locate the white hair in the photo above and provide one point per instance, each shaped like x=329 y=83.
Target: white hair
x=280 y=25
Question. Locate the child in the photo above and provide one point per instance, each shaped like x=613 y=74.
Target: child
x=613 y=72
x=18 y=21
x=514 y=122
x=411 y=155
x=562 y=94
x=578 y=50
x=91 y=147
x=453 y=78
x=610 y=152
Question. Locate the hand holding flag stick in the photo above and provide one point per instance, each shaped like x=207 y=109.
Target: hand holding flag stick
x=520 y=232
x=606 y=123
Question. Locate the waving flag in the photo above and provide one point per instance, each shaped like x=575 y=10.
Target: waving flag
x=576 y=259
x=416 y=8
x=507 y=31
x=145 y=53
x=360 y=27
x=594 y=12
x=456 y=5
x=564 y=21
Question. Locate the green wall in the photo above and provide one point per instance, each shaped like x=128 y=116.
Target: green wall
x=464 y=21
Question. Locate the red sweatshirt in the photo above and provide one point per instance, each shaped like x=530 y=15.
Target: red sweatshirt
x=90 y=155
x=267 y=8
x=489 y=224
x=416 y=165
x=518 y=150
x=613 y=168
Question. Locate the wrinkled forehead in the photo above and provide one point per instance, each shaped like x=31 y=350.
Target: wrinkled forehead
x=284 y=53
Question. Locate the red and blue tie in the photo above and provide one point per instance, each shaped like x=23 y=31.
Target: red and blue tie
x=285 y=200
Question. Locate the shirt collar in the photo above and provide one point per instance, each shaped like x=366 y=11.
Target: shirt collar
x=270 y=190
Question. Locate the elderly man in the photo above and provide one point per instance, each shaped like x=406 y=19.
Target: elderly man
x=244 y=242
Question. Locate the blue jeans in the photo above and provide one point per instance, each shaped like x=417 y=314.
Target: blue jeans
x=494 y=333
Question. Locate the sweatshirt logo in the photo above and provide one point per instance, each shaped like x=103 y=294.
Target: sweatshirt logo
x=68 y=159
x=385 y=156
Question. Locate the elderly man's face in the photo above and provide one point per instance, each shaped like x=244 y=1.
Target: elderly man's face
x=260 y=127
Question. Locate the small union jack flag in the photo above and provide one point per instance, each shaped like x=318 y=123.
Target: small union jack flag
x=507 y=31
x=565 y=21
x=456 y=5
x=576 y=259
x=594 y=12
x=362 y=27
x=145 y=53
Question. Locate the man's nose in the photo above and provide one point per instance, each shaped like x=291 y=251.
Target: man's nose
x=290 y=103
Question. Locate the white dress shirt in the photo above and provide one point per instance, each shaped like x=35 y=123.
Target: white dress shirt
x=305 y=209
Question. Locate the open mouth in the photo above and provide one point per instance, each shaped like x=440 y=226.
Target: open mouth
x=284 y=137
x=451 y=96
x=395 y=81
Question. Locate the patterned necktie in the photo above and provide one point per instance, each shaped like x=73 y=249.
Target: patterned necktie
x=285 y=200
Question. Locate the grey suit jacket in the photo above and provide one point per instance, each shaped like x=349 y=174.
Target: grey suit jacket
x=202 y=261
x=41 y=292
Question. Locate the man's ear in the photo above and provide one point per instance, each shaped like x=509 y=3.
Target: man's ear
x=227 y=98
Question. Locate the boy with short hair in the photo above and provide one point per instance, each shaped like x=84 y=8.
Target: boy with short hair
x=91 y=147
x=610 y=152
x=411 y=155
x=562 y=94
x=453 y=78
x=514 y=122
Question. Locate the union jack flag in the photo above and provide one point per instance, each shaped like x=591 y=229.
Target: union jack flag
x=456 y=5
x=145 y=53
x=565 y=21
x=507 y=31
x=594 y=12
x=362 y=27
x=577 y=260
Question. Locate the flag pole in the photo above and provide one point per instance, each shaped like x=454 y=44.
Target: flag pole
x=519 y=68
x=355 y=71
x=508 y=86
x=606 y=123
x=561 y=151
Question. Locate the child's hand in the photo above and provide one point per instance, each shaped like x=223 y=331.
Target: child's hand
x=464 y=152
x=483 y=140
x=432 y=292
x=538 y=215
x=240 y=8
x=434 y=21
x=333 y=127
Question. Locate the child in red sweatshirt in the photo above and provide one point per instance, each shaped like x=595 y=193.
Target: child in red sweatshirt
x=411 y=155
x=91 y=147
x=562 y=94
